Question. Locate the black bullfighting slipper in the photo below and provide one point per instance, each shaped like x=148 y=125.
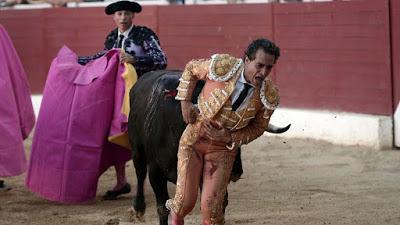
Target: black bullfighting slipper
x=4 y=187
x=112 y=195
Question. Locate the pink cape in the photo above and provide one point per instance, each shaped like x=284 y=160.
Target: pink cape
x=80 y=105
x=17 y=117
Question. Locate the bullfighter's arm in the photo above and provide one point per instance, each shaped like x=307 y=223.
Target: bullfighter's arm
x=195 y=70
x=154 y=59
x=253 y=130
x=83 y=60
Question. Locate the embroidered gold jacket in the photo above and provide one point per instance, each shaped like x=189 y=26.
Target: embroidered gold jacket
x=221 y=73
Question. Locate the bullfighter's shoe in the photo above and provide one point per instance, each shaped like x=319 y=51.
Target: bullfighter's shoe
x=112 y=195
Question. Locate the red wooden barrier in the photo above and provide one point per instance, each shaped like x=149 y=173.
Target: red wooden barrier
x=335 y=55
x=395 y=30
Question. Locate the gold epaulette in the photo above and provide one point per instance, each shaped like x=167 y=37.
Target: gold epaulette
x=223 y=67
x=269 y=95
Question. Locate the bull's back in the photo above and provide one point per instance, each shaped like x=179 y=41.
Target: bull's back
x=155 y=120
x=149 y=82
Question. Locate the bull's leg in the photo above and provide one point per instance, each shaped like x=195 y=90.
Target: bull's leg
x=159 y=184
x=237 y=169
x=139 y=161
x=226 y=200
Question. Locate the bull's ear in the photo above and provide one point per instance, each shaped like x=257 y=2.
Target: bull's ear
x=246 y=60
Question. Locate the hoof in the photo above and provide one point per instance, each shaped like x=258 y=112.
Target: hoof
x=134 y=216
x=114 y=221
x=139 y=204
x=139 y=216
x=235 y=177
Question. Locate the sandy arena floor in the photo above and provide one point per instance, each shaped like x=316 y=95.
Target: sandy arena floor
x=285 y=182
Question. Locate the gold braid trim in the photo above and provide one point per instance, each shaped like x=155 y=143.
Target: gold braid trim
x=210 y=107
x=269 y=95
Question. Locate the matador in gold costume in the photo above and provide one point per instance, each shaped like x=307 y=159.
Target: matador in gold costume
x=233 y=109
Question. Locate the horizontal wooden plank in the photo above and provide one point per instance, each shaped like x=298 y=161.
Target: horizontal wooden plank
x=332 y=55
x=335 y=103
x=215 y=30
x=326 y=7
x=218 y=19
x=206 y=41
x=348 y=43
x=198 y=10
x=333 y=31
x=334 y=18
x=366 y=68
x=337 y=79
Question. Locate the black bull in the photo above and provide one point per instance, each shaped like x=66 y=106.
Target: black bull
x=155 y=127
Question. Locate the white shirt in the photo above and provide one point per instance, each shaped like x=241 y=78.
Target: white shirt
x=125 y=33
x=238 y=88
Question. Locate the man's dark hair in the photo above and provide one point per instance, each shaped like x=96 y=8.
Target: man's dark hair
x=264 y=44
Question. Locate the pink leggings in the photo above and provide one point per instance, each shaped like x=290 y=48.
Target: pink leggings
x=207 y=163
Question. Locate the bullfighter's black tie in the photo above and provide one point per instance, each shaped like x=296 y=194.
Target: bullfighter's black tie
x=121 y=38
x=241 y=97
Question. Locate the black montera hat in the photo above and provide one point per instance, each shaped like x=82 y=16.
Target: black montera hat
x=123 y=5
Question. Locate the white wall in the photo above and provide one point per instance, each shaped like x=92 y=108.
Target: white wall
x=36 y=100
x=397 y=126
x=337 y=127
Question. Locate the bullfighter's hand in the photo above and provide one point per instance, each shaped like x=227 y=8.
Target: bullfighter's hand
x=189 y=112
x=216 y=132
x=126 y=58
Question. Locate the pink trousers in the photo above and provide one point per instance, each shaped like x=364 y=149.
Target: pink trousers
x=205 y=164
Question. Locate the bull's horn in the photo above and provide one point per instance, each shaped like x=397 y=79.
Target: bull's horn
x=277 y=130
